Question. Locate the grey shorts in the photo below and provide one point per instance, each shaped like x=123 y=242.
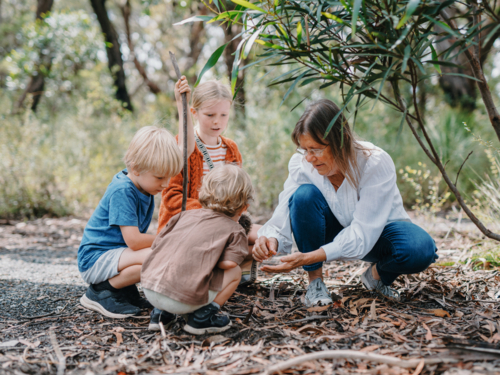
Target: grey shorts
x=165 y=303
x=104 y=268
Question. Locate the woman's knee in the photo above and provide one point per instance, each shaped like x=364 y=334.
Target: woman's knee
x=304 y=197
x=423 y=253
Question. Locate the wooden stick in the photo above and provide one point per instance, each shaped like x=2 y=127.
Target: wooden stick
x=61 y=365
x=354 y=354
x=184 y=124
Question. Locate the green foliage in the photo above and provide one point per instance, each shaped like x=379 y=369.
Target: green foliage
x=59 y=46
x=57 y=164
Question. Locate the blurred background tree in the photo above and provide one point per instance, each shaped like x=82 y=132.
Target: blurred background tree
x=60 y=144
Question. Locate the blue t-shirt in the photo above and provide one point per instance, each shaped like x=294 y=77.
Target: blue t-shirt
x=122 y=204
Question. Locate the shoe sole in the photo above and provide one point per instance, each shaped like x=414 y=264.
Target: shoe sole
x=321 y=302
x=154 y=327
x=94 y=306
x=254 y=272
x=203 y=331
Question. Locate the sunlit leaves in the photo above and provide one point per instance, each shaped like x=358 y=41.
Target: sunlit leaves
x=410 y=9
x=248 y=5
x=361 y=44
x=211 y=62
x=68 y=41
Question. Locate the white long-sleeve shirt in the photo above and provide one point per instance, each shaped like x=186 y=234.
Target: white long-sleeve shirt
x=363 y=212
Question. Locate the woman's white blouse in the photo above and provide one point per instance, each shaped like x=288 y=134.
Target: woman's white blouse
x=363 y=212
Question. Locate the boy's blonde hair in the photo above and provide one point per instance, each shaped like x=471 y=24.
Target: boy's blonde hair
x=226 y=189
x=210 y=92
x=154 y=150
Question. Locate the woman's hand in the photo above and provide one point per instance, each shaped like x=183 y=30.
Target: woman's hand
x=295 y=260
x=181 y=87
x=264 y=248
x=290 y=262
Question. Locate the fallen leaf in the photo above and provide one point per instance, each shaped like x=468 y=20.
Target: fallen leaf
x=441 y=313
x=9 y=343
x=373 y=311
x=217 y=339
x=419 y=368
x=428 y=335
x=318 y=308
x=119 y=338
x=309 y=328
x=370 y=348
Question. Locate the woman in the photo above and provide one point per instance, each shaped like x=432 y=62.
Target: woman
x=341 y=202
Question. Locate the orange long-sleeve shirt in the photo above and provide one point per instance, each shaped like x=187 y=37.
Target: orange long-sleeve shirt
x=171 y=196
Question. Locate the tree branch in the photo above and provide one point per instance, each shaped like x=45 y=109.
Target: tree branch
x=437 y=161
x=126 y=10
x=354 y=354
x=482 y=84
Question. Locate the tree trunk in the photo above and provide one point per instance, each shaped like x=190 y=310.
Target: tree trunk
x=229 y=57
x=126 y=11
x=461 y=91
x=196 y=42
x=37 y=81
x=115 y=61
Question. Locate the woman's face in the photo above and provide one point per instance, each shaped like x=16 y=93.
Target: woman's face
x=321 y=160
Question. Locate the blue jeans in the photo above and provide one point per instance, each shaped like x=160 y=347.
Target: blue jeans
x=402 y=248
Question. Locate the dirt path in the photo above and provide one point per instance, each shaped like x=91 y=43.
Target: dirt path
x=40 y=290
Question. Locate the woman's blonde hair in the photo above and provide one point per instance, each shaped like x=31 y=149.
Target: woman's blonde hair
x=226 y=189
x=154 y=150
x=342 y=141
x=210 y=92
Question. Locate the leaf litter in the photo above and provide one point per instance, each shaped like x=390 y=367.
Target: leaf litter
x=447 y=322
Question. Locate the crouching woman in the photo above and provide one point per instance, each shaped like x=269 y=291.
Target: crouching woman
x=341 y=202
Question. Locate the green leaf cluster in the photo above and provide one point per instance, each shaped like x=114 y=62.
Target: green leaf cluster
x=358 y=44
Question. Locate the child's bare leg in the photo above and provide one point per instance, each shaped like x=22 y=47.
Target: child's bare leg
x=129 y=265
x=229 y=284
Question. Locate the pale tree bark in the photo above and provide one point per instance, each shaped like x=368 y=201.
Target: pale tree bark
x=196 y=42
x=115 y=60
x=36 y=84
x=126 y=10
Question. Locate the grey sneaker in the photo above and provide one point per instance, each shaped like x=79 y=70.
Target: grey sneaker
x=317 y=294
x=371 y=284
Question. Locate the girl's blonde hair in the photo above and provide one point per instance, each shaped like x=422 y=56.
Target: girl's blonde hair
x=341 y=139
x=226 y=189
x=210 y=92
x=154 y=150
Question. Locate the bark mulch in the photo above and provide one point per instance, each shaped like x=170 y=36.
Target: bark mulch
x=447 y=324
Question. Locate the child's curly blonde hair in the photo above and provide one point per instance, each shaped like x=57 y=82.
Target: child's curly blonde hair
x=226 y=189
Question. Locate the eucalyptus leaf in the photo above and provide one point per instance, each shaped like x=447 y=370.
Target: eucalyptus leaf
x=211 y=62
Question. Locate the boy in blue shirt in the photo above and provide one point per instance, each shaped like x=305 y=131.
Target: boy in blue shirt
x=115 y=242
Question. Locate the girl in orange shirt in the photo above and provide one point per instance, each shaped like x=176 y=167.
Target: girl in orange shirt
x=207 y=148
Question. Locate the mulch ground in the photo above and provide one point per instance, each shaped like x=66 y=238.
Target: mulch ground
x=447 y=323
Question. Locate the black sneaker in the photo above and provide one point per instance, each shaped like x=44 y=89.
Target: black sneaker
x=207 y=320
x=158 y=316
x=108 y=303
x=132 y=295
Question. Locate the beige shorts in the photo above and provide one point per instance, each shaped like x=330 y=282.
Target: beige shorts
x=165 y=303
